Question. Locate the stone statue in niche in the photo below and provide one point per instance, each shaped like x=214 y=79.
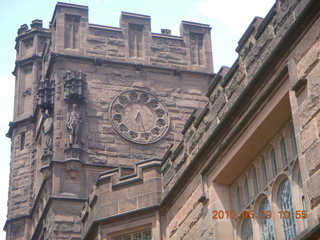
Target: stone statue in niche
x=73 y=126
x=47 y=129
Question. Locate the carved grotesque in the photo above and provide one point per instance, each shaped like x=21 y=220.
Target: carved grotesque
x=46 y=94
x=73 y=126
x=74 y=87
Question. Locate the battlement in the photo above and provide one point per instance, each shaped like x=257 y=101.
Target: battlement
x=133 y=41
x=258 y=49
x=121 y=191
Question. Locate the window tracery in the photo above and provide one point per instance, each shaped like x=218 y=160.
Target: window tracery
x=276 y=191
x=246 y=230
x=288 y=224
x=266 y=224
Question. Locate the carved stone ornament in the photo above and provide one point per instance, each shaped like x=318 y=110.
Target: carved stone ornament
x=46 y=158
x=74 y=87
x=73 y=126
x=47 y=129
x=72 y=153
x=139 y=116
x=46 y=94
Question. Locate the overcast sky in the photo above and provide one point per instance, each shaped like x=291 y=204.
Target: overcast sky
x=228 y=19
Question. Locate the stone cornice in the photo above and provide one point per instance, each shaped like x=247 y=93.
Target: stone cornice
x=94 y=60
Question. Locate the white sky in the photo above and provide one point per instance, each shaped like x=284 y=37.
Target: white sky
x=228 y=19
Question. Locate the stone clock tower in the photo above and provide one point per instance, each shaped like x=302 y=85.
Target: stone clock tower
x=92 y=98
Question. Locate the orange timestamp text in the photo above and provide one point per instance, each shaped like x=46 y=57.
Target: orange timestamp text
x=249 y=214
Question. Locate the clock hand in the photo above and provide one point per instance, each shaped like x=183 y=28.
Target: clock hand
x=138 y=113
x=144 y=130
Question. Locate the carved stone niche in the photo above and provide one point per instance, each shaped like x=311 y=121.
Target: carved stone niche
x=72 y=153
x=74 y=87
x=46 y=94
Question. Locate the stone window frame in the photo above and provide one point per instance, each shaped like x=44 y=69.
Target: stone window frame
x=289 y=171
x=130 y=235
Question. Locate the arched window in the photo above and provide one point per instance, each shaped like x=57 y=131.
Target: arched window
x=246 y=190
x=288 y=224
x=274 y=163
x=246 y=230
x=293 y=143
x=255 y=181
x=266 y=225
x=283 y=152
x=264 y=173
x=238 y=199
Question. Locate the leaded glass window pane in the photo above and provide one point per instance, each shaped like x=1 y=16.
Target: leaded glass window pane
x=288 y=225
x=246 y=190
x=293 y=143
x=147 y=235
x=274 y=163
x=266 y=225
x=137 y=236
x=283 y=152
x=264 y=173
x=255 y=181
x=246 y=230
x=238 y=199
x=142 y=235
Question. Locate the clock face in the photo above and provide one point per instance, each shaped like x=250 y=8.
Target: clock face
x=139 y=116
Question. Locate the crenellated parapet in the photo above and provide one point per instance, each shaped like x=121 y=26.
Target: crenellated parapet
x=123 y=191
x=132 y=42
x=231 y=92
